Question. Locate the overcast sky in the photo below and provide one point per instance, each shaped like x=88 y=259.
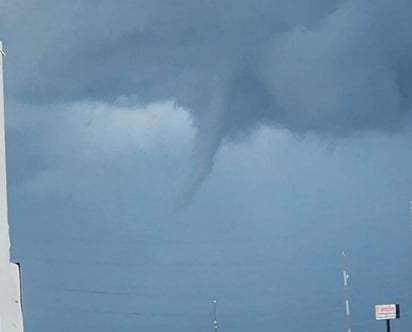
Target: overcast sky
x=163 y=153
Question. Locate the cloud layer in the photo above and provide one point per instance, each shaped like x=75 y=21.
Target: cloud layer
x=91 y=143
x=331 y=67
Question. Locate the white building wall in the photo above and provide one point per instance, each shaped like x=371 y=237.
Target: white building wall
x=11 y=318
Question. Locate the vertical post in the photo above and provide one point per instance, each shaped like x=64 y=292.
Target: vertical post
x=388 y=325
x=214 y=315
x=410 y=214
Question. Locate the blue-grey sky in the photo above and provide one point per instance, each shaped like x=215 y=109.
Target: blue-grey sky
x=162 y=153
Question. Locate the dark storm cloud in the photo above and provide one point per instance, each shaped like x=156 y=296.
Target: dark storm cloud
x=101 y=99
x=330 y=67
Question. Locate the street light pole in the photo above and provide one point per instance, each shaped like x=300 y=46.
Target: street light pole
x=214 y=315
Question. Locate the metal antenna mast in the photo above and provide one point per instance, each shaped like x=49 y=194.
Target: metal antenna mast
x=214 y=315
x=346 y=292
